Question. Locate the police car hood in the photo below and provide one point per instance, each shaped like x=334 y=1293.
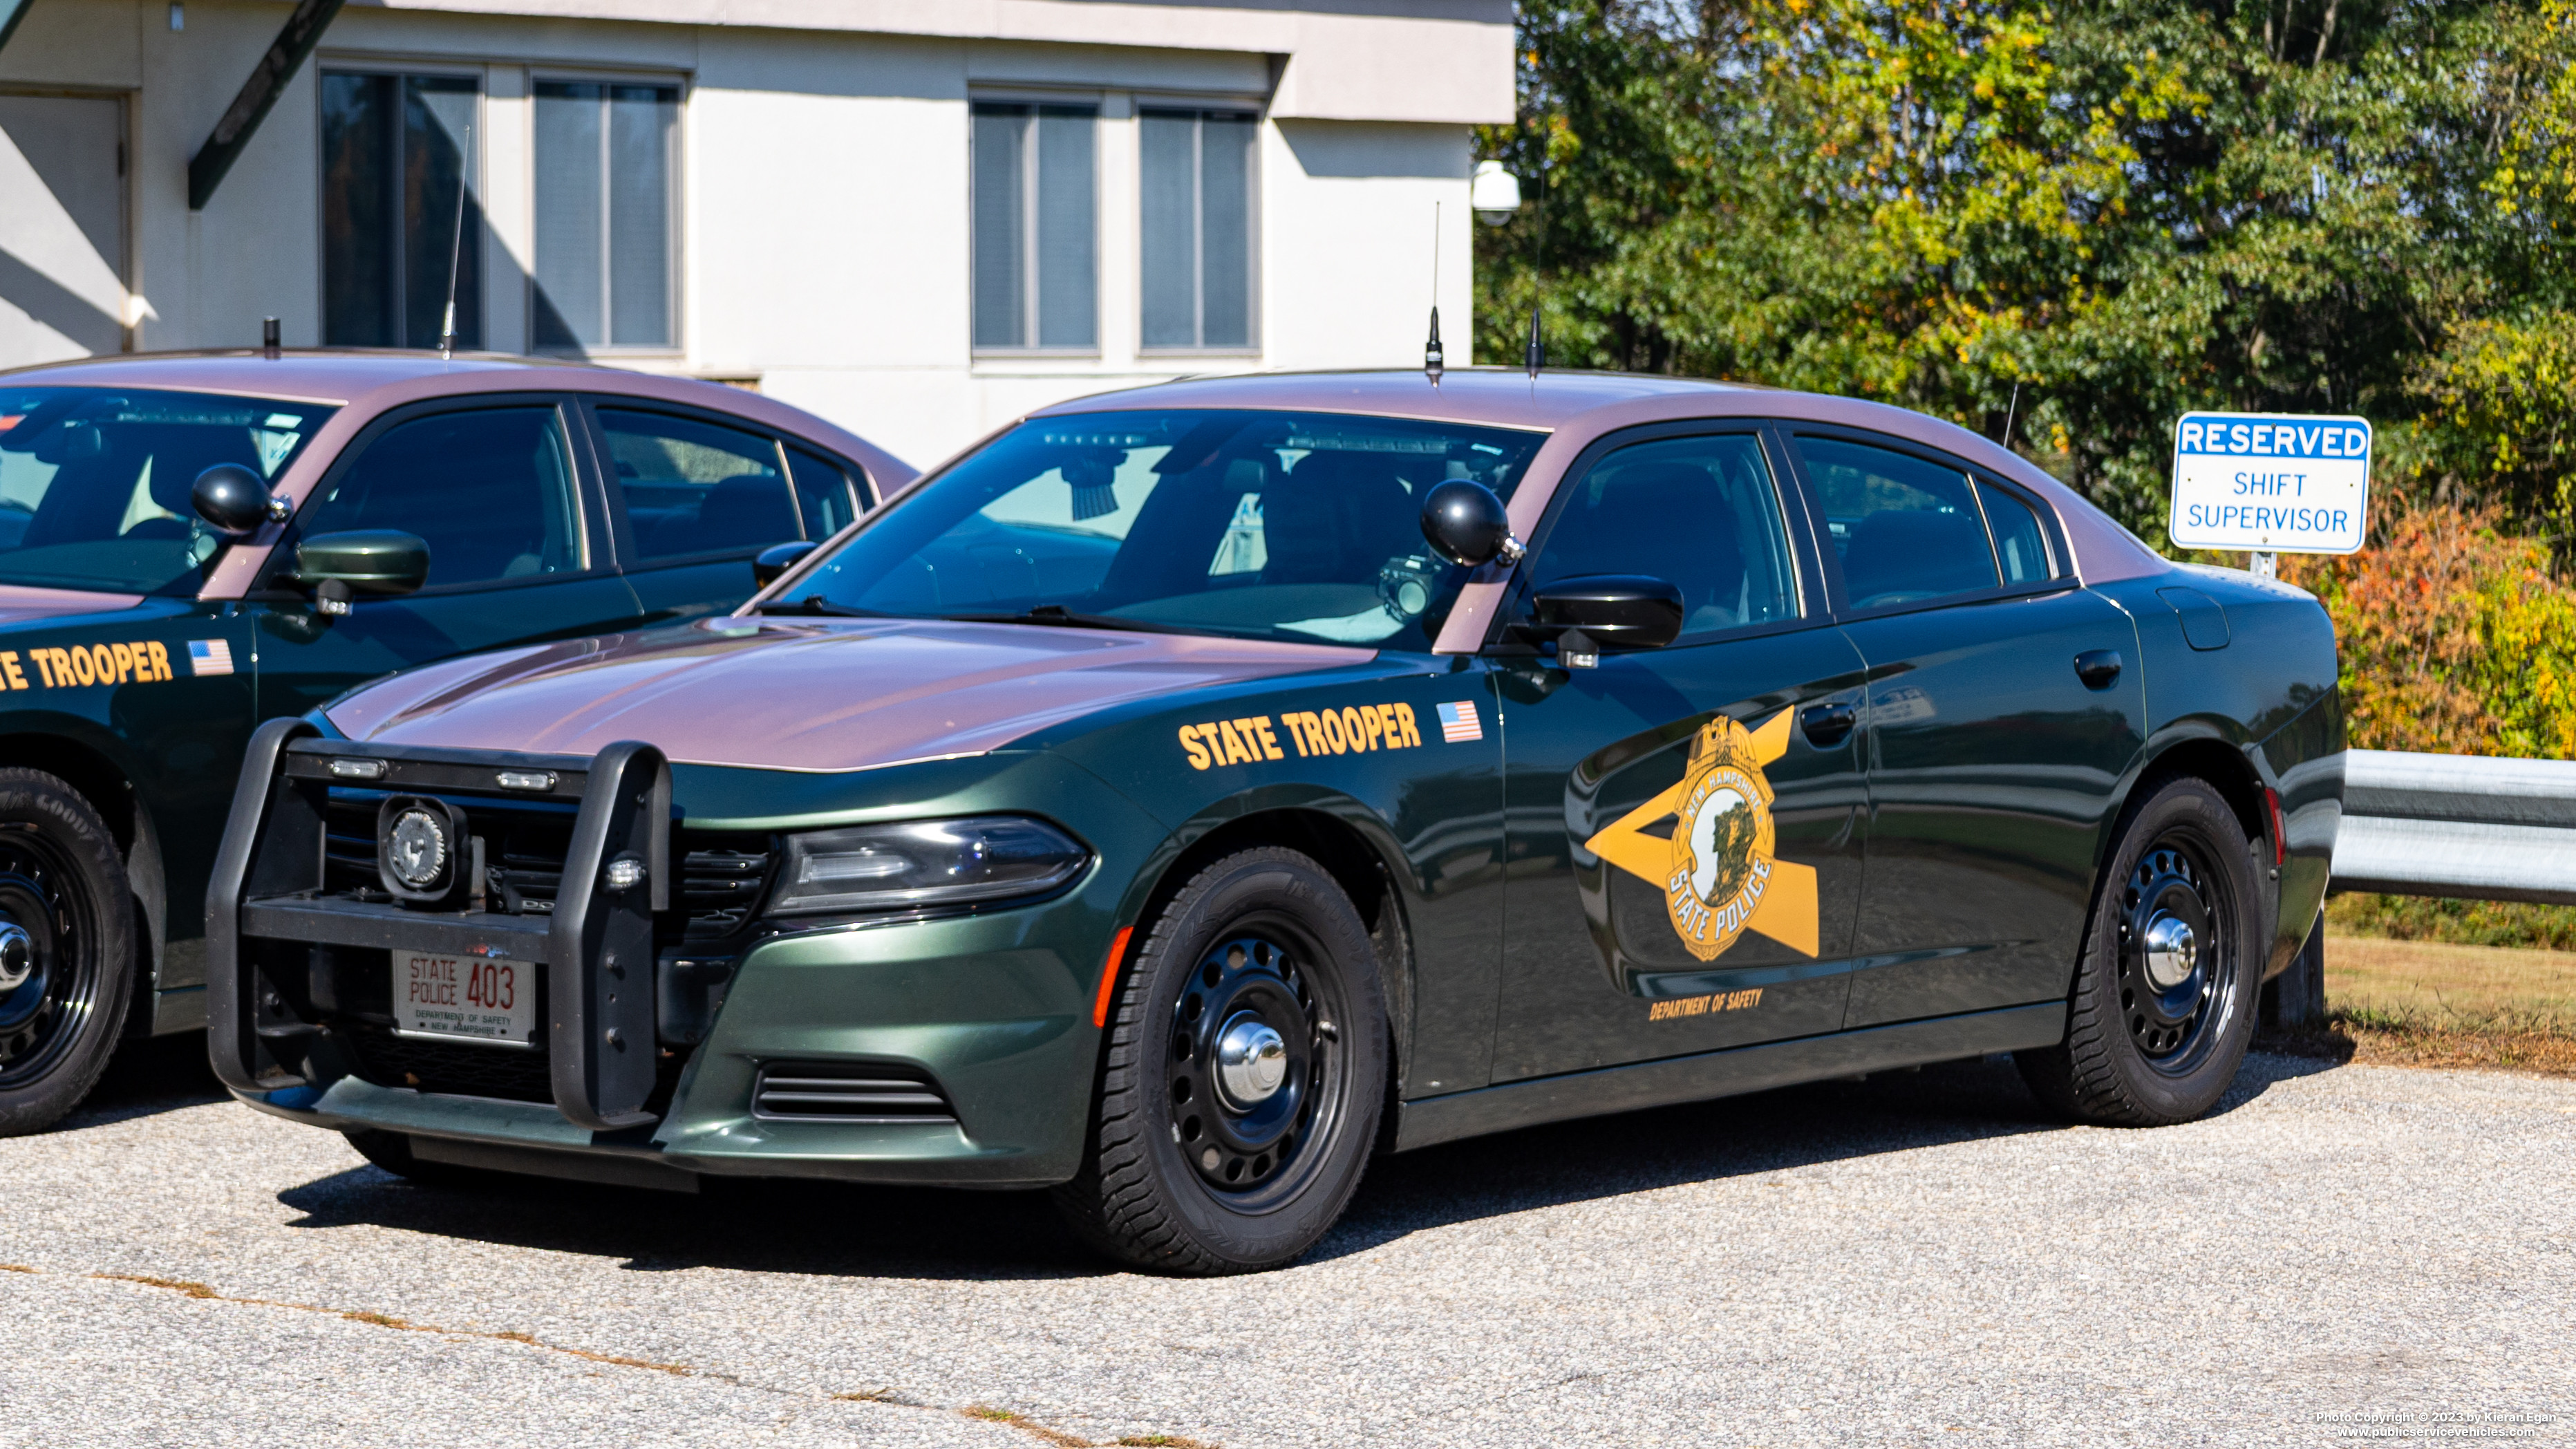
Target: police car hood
x=21 y=604
x=824 y=694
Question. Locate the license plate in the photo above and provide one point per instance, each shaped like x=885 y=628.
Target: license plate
x=468 y=998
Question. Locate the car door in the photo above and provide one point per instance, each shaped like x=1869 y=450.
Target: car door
x=697 y=497
x=516 y=554
x=1993 y=758
x=1684 y=825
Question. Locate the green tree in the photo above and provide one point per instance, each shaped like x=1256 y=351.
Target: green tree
x=2091 y=216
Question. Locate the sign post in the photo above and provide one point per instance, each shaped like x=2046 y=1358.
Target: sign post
x=2271 y=483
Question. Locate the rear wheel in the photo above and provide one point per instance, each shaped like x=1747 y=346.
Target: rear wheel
x=66 y=949
x=2164 y=997
x=1246 y=1066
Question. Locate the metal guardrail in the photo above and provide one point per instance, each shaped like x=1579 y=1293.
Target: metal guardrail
x=2457 y=825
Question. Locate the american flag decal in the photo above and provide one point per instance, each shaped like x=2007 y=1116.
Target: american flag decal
x=210 y=656
x=1458 y=723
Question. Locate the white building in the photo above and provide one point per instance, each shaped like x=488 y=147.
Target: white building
x=916 y=217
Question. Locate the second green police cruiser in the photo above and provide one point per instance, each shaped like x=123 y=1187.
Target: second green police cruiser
x=1193 y=791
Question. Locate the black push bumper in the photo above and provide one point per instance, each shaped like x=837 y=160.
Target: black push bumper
x=270 y=897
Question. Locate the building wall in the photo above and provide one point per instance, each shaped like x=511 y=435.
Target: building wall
x=824 y=230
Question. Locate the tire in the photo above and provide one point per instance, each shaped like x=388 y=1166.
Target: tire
x=2155 y=1037
x=1194 y=1168
x=67 y=957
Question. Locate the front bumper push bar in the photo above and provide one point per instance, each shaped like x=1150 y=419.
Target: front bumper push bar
x=597 y=948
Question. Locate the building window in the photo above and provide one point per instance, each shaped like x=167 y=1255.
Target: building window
x=395 y=150
x=1198 y=254
x=605 y=212
x=1037 y=275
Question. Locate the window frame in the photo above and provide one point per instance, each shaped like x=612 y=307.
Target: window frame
x=621 y=529
x=1788 y=490
x=478 y=188
x=2061 y=577
x=1030 y=304
x=675 y=204
x=587 y=499
x=1200 y=108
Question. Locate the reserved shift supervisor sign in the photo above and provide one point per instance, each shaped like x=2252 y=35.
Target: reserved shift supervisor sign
x=2270 y=482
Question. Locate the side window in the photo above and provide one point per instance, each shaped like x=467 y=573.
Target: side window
x=1907 y=529
x=2019 y=545
x=490 y=490
x=824 y=494
x=697 y=487
x=1701 y=514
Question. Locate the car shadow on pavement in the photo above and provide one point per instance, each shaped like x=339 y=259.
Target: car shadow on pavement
x=1788 y=1128
x=154 y=1075
x=841 y=1230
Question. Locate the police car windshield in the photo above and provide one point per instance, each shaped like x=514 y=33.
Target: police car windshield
x=94 y=481
x=1291 y=526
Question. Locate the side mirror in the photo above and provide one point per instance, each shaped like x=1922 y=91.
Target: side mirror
x=379 y=561
x=1466 y=524
x=231 y=499
x=1617 y=611
x=774 y=561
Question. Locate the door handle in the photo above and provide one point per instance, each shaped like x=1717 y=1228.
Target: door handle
x=2098 y=667
x=1826 y=724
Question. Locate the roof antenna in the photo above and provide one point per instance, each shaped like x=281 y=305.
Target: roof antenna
x=2012 y=412
x=456 y=248
x=1433 y=361
x=268 y=346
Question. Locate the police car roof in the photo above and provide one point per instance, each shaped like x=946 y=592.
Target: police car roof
x=385 y=377
x=1587 y=404
x=321 y=375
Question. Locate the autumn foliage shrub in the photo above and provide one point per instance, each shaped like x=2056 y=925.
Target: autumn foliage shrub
x=2454 y=636
x=2454 y=639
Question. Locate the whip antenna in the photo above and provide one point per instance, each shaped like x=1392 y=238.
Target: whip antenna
x=1433 y=360
x=456 y=249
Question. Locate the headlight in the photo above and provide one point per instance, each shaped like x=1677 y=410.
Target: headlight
x=925 y=863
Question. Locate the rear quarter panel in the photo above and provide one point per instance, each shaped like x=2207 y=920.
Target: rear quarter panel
x=2269 y=698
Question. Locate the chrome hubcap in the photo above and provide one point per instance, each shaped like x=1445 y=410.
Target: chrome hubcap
x=1251 y=1061
x=2172 y=951
x=17 y=955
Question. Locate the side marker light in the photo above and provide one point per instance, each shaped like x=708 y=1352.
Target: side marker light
x=1109 y=975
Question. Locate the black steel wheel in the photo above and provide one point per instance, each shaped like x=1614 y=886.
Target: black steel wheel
x=2163 y=1007
x=66 y=949
x=1243 y=1074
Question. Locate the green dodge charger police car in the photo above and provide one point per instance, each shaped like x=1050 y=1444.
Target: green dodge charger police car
x=190 y=544
x=1192 y=791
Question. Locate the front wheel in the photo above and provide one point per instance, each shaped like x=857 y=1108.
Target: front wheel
x=66 y=949
x=2163 y=1007
x=1244 y=1074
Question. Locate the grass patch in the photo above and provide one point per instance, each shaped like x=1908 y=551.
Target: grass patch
x=2515 y=924
x=2442 y=1004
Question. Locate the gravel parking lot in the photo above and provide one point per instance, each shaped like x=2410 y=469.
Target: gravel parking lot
x=2338 y=1254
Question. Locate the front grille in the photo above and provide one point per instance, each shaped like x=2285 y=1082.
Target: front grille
x=722 y=875
x=849 y=1092
x=513 y=1074
x=722 y=879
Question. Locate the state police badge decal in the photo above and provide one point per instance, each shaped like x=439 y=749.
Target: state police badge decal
x=1720 y=870
x=1724 y=842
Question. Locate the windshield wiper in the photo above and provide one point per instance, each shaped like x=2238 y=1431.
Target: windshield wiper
x=817 y=604
x=1058 y=616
